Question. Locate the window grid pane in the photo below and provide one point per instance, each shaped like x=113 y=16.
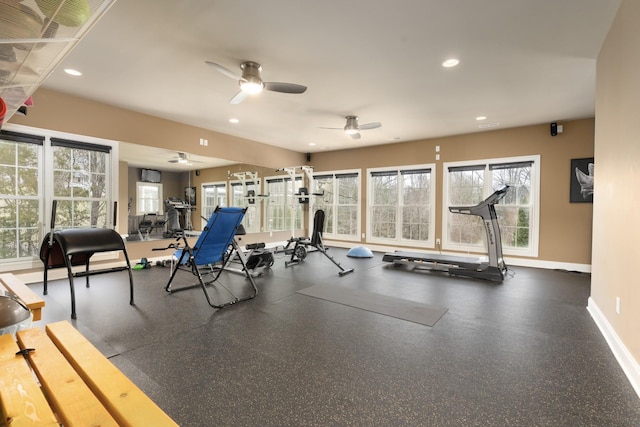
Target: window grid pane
x=466 y=188
x=348 y=189
x=80 y=186
x=275 y=205
x=514 y=210
x=19 y=200
x=384 y=203
x=283 y=210
x=214 y=195
x=149 y=196
x=416 y=212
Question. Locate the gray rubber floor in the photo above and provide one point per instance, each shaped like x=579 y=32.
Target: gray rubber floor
x=522 y=353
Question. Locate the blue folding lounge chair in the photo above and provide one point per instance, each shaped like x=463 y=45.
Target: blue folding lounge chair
x=214 y=248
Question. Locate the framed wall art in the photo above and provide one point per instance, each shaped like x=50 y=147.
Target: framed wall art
x=581 y=180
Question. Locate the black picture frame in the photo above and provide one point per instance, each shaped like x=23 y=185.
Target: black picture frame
x=190 y=195
x=582 y=180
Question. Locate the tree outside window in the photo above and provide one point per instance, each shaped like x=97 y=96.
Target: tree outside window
x=469 y=184
x=401 y=205
x=338 y=195
x=19 y=199
x=77 y=175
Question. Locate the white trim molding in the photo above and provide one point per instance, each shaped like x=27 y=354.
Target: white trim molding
x=628 y=364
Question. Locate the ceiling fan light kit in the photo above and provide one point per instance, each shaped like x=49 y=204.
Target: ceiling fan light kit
x=352 y=128
x=182 y=159
x=251 y=82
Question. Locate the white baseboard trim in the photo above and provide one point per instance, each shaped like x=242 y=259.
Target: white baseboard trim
x=521 y=262
x=624 y=357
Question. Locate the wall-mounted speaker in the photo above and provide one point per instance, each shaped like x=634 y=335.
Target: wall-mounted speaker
x=308 y=157
x=197 y=172
x=554 y=129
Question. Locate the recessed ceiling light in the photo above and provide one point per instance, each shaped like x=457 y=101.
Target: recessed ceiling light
x=72 y=72
x=234 y=120
x=452 y=62
x=312 y=144
x=481 y=118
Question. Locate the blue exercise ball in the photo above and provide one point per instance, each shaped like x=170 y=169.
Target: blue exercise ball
x=360 y=252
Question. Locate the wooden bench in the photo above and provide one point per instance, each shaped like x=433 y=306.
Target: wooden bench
x=78 y=385
x=24 y=293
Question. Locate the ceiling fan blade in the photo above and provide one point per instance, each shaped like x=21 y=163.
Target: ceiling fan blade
x=372 y=125
x=323 y=127
x=239 y=97
x=224 y=70
x=284 y=87
x=355 y=135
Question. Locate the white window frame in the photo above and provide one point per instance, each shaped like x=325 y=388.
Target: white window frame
x=203 y=204
x=334 y=204
x=139 y=210
x=252 y=208
x=398 y=240
x=534 y=224
x=47 y=185
x=290 y=203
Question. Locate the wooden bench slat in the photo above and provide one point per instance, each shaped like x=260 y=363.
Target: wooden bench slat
x=69 y=396
x=26 y=295
x=129 y=405
x=22 y=402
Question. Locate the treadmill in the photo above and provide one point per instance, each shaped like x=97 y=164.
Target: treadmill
x=494 y=269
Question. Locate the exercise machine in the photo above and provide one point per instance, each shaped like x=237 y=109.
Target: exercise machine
x=299 y=251
x=75 y=247
x=302 y=195
x=257 y=257
x=494 y=269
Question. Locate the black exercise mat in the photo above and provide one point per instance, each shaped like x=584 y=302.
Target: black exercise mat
x=411 y=311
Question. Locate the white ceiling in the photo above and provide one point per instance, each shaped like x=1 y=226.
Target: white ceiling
x=521 y=62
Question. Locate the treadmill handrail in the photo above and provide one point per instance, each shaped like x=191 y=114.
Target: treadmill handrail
x=491 y=200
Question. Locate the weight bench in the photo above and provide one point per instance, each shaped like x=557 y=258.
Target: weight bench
x=76 y=246
x=215 y=248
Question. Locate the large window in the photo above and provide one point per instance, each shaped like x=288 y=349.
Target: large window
x=214 y=194
x=80 y=183
x=149 y=198
x=37 y=169
x=401 y=202
x=283 y=210
x=467 y=184
x=247 y=195
x=338 y=194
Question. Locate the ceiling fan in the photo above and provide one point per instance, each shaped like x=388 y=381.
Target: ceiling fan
x=182 y=159
x=251 y=83
x=352 y=128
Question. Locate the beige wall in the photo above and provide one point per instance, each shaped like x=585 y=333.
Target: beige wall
x=565 y=228
x=616 y=228
x=66 y=113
